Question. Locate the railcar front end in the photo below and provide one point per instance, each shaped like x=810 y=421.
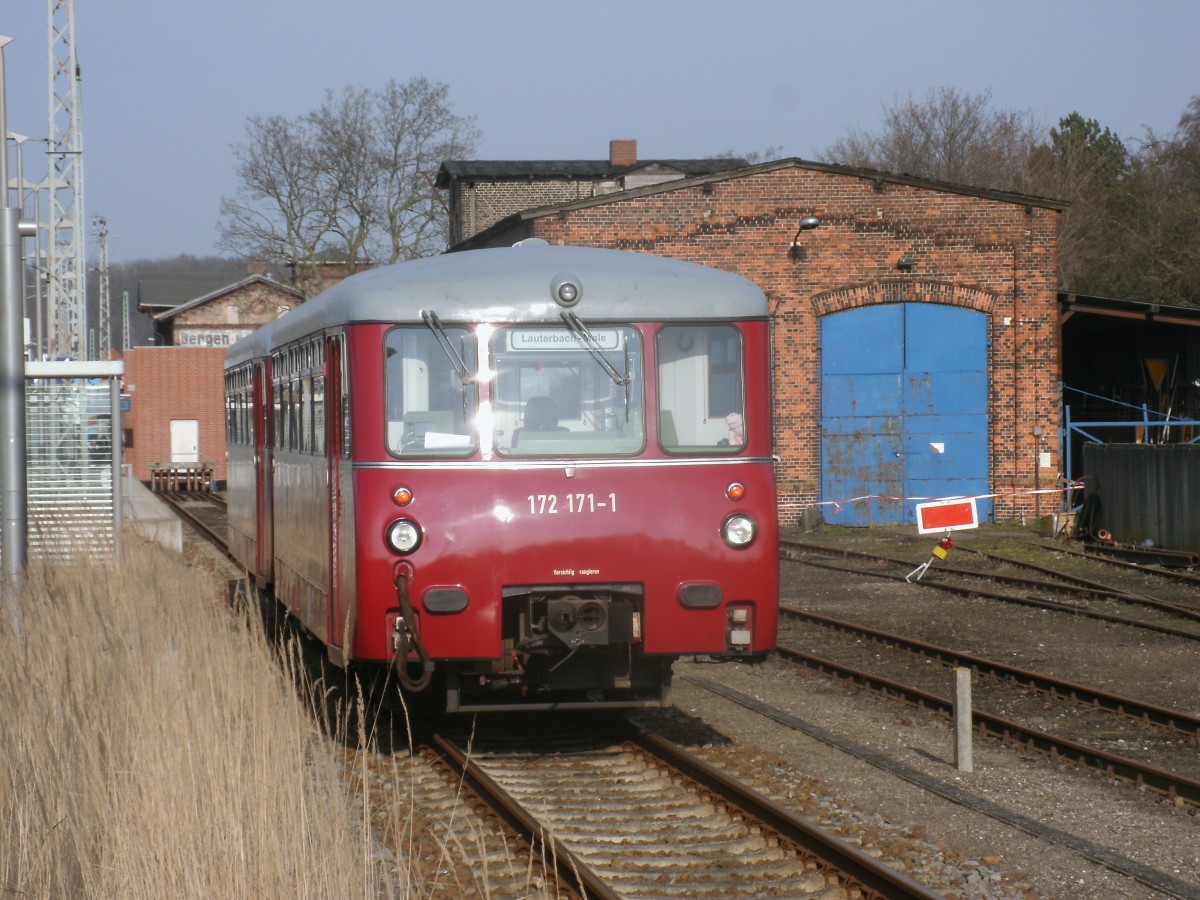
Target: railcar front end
x=568 y=508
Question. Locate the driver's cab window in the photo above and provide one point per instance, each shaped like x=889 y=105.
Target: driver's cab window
x=556 y=394
x=430 y=394
x=701 y=389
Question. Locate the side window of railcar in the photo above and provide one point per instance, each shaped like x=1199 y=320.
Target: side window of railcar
x=318 y=414
x=430 y=396
x=701 y=389
x=306 y=413
x=277 y=394
x=229 y=433
x=555 y=395
x=294 y=401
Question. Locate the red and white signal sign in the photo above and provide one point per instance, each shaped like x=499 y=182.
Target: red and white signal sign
x=947 y=515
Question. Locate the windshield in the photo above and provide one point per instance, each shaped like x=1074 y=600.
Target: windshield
x=431 y=399
x=555 y=393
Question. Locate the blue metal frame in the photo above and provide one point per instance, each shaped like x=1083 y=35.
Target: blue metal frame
x=1070 y=427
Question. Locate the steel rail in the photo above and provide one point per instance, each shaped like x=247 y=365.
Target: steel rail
x=1187 y=612
x=852 y=865
x=217 y=540
x=1170 y=574
x=874 y=876
x=1073 y=584
x=953 y=793
x=1140 y=710
x=1170 y=784
x=515 y=816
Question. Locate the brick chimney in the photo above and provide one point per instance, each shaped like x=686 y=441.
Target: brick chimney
x=622 y=153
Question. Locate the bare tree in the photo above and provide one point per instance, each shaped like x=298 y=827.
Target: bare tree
x=277 y=213
x=416 y=133
x=950 y=137
x=351 y=181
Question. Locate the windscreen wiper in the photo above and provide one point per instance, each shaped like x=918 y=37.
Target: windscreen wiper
x=593 y=347
x=434 y=324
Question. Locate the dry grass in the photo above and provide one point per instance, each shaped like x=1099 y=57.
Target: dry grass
x=150 y=746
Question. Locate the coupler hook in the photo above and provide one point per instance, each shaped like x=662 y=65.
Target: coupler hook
x=406 y=640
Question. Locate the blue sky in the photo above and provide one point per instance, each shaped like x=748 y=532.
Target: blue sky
x=168 y=87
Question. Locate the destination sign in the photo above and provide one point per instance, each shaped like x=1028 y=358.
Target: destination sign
x=524 y=339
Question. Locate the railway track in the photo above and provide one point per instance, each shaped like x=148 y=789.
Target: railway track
x=205 y=512
x=1079 y=747
x=1161 y=880
x=1165 y=764
x=1177 y=575
x=624 y=812
x=1081 y=597
x=1138 y=710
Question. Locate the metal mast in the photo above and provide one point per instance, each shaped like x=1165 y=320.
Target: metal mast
x=125 y=342
x=104 y=326
x=67 y=275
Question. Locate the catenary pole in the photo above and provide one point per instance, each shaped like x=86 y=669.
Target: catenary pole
x=13 y=483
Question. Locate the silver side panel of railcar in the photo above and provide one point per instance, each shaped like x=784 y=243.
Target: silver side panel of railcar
x=255 y=345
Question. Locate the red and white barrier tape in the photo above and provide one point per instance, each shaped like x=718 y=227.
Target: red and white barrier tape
x=837 y=504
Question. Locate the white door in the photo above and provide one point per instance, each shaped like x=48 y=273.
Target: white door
x=185 y=440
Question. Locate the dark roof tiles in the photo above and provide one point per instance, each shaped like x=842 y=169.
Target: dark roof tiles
x=518 y=169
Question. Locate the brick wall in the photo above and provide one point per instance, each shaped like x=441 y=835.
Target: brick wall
x=254 y=305
x=165 y=383
x=482 y=204
x=981 y=252
x=226 y=319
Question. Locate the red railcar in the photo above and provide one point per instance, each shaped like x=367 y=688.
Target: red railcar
x=526 y=478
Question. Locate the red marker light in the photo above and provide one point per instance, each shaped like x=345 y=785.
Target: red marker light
x=946 y=543
x=735 y=491
x=402 y=496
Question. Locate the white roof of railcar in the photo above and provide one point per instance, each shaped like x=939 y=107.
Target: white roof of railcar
x=513 y=285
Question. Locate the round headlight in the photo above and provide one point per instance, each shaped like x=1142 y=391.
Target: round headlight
x=403 y=536
x=739 y=531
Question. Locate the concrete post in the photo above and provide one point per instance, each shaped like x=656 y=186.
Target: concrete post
x=963 y=751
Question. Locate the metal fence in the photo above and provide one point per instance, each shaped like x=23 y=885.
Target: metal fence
x=73 y=459
x=1147 y=492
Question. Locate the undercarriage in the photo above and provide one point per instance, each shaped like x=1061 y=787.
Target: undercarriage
x=577 y=647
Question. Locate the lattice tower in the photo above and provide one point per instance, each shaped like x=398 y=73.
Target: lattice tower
x=104 y=327
x=67 y=273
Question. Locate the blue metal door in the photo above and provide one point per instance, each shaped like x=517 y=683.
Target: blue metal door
x=903 y=410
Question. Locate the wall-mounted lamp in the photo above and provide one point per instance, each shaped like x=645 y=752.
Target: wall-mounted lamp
x=906 y=263
x=808 y=223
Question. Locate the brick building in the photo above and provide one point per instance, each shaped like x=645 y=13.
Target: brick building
x=226 y=315
x=176 y=389
x=483 y=192
x=914 y=323
x=176 y=407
